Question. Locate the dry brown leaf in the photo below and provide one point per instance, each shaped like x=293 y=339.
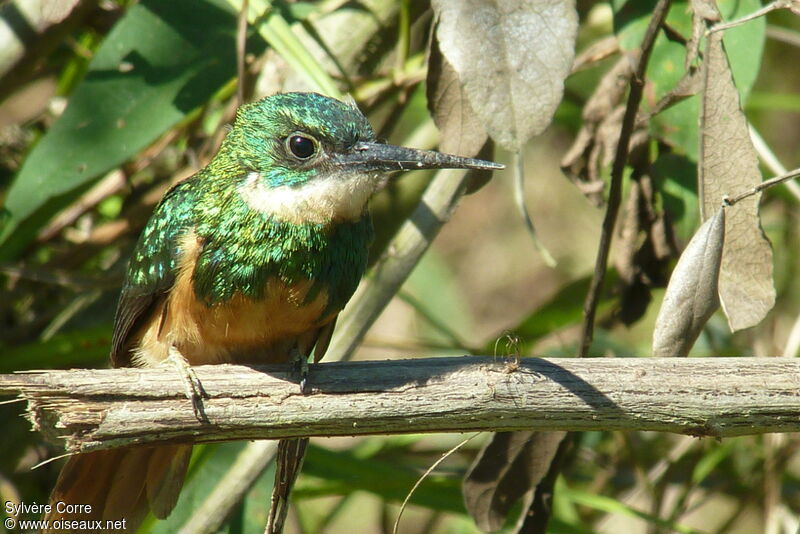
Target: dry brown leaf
x=462 y=131
x=729 y=166
x=691 y=296
x=599 y=133
x=688 y=86
x=511 y=58
x=645 y=245
x=704 y=13
x=508 y=467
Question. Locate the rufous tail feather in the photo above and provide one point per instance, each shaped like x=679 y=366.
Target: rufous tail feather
x=118 y=484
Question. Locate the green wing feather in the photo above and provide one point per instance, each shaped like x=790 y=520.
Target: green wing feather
x=151 y=271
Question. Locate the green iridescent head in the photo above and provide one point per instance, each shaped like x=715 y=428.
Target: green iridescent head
x=288 y=138
x=291 y=139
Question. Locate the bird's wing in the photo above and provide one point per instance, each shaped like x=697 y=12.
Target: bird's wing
x=151 y=271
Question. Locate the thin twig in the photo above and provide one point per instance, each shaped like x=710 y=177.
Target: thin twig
x=777 y=4
x=424 y=476
x=110 y=184
x=766 y=184
x=52 y=459
x=615 y=189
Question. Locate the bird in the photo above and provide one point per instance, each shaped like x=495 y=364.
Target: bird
x=248 y=261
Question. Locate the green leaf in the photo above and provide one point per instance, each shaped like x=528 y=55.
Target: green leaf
x=160 y=62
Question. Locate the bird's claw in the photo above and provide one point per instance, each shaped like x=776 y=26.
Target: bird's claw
x=193 y=388
x=300 y=365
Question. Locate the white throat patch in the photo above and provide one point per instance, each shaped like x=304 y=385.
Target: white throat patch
x=320 y=201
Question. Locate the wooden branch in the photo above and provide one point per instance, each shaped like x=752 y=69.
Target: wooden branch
x=98 y=409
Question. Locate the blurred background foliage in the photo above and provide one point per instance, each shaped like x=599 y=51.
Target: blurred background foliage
x=106 y=103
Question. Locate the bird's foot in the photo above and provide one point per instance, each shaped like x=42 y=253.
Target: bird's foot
x=192 y=387
x=299 y=364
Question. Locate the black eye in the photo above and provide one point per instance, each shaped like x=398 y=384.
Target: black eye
x=300 y=146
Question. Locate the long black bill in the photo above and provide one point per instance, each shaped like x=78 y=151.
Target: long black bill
x=381 y=157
